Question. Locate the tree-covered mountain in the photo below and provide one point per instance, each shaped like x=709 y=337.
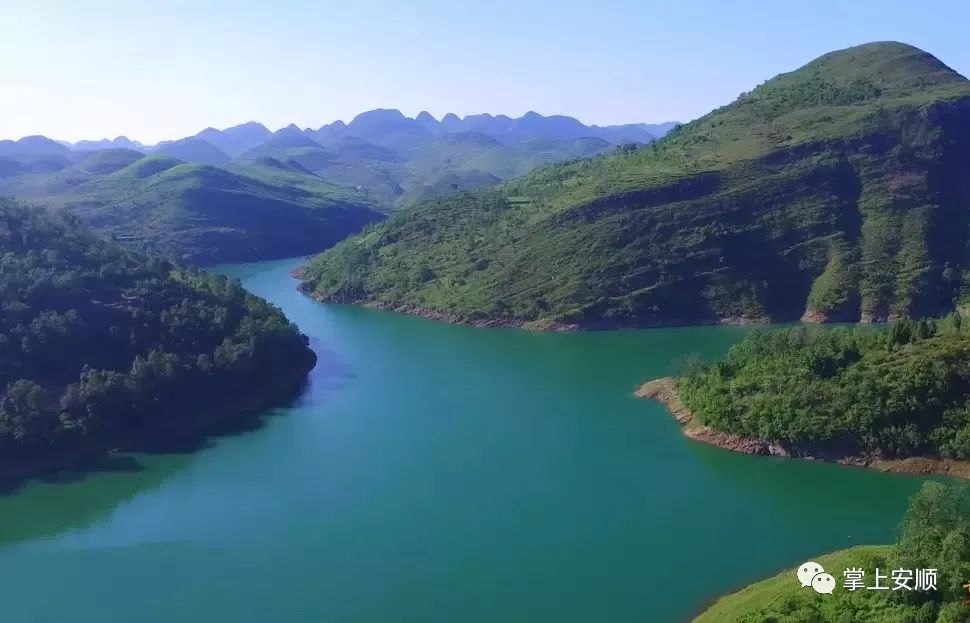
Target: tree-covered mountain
x=193 y=150
x=390 y=125
x=835 y=192
x=103 y=348
x=397 y=176
x=237 y=139
x=33 y=146
x=398 y=160
x=265 y=194
x=119 y=142
x=199 y=213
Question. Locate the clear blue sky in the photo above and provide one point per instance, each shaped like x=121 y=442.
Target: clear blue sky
x=155 y=70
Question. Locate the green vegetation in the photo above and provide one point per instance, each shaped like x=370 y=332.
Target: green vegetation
x=199 y=213
x=836 y=190
x=103 y=348
x=245 y=194
x=193 y=150
x=436 y=167
x=935 y=534
x=845 y=391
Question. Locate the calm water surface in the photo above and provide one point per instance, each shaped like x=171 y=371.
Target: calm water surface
x=436 y=473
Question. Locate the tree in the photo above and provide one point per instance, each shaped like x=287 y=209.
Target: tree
x=25 y=413
x=99 y=344
x=935 y=533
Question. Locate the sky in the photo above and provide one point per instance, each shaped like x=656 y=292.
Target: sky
x=83 y=69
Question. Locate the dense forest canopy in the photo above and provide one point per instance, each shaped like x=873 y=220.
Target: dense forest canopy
x=837 y=191
x=855 y=391
x=99 y=344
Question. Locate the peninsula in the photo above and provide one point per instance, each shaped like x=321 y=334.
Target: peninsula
x=896 y=400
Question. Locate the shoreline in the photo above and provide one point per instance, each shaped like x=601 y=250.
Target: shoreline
x=664 y=390
x=483 y=323
x=213 y=420
x=750 y=597
x=448 y=317
x=541 y=324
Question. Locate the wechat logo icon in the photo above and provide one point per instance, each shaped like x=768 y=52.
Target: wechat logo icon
x=812 y=574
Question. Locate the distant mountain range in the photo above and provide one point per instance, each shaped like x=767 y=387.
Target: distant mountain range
x=246 y=193
x=390 y=125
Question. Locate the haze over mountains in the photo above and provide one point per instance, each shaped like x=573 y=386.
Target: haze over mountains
x=246 y=193
x=376 y=125
x=835 y=192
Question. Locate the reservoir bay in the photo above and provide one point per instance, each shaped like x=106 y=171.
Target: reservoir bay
x=431 y=472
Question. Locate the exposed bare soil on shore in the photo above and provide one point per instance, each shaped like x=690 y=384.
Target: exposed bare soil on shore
x=664 y=390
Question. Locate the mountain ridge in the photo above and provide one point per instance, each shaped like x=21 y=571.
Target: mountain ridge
x=247 y=132
x=380 y=158
x=354 y=172
x=196 y=212
x=831 y=192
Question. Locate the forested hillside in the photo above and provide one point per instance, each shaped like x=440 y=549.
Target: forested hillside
x=397 y=169
x=858 y=392
x=199 y=213
x=101 y=347
x=835 y=192
x=245 y=193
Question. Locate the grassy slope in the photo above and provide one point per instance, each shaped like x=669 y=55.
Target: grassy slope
x=753 y=600
x=933 y=535
x=736 y=214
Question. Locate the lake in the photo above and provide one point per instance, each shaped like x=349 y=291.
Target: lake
x=431 y=473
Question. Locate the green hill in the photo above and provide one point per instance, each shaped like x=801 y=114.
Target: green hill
x=783 y=591
x=837 y=191
x=433 y=167
x=85 y=167
x=281 y=146
x=148 y=166
x=934 y=534
x=237 y=139
x=440 y=184
x=103 y=348
x=105 y=161
x=33 y=146
x=290 y=191
x=843 y=394
x=193 y=150
x=200 y=213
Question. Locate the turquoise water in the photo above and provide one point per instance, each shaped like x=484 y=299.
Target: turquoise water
x=437 y=473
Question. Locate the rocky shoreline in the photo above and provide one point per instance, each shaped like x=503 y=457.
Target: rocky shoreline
x=543 y=324
x=664 y=390
x=484 y=323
